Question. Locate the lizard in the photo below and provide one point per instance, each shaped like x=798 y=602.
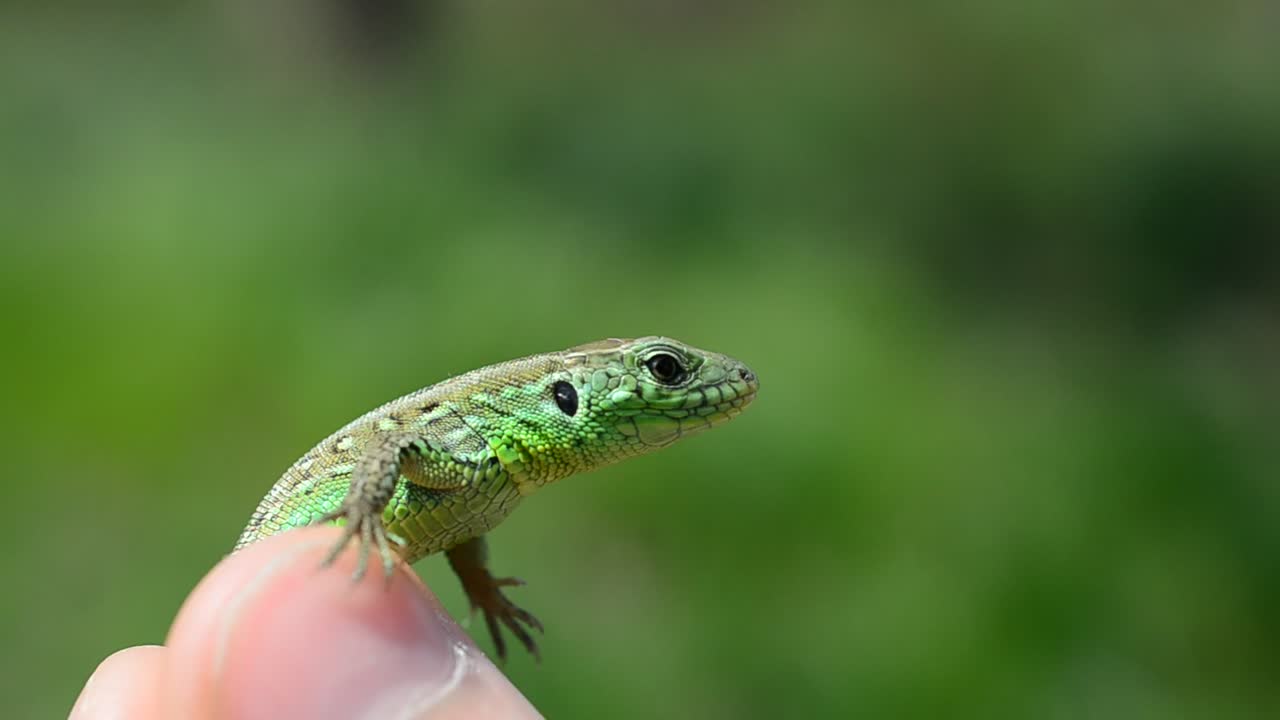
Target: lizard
x=437 y=469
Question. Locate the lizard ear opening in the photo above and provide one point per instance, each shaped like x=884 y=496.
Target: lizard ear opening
x=566 y=398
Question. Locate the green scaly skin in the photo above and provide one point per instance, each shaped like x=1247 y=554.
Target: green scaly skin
x=437 y=469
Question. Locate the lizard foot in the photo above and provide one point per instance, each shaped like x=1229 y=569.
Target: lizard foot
x=369 y=528
x=485 y=593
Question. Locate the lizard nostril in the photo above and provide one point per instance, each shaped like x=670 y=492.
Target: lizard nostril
x=747 y=375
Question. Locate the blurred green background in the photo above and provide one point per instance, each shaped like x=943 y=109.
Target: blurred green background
x=1009 y=273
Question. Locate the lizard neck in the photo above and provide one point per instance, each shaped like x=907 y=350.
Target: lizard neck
x=534 y=462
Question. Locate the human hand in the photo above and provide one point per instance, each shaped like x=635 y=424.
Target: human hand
x=268 y=633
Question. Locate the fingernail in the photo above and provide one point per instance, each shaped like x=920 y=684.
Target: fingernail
x=305 y=641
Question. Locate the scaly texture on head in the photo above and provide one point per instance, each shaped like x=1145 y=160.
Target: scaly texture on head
x=610 y=400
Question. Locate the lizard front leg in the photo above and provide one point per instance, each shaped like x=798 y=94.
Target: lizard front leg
x=373 y=482
x=470 y=561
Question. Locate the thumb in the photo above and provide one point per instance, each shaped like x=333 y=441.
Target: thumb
x=269 y=634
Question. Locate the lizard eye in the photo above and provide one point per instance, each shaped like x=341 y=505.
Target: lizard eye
x=665 y=368
x=566 y=398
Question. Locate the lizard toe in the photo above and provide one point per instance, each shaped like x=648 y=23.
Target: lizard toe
x=367 y=531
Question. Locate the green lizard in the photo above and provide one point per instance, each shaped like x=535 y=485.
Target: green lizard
x=437 y=469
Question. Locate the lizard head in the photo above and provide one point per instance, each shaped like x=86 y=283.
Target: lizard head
x=652 y=391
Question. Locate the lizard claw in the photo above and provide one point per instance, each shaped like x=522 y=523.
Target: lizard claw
x=370 y=530
x=485 y=593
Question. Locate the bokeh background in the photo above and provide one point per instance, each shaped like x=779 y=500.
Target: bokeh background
x=1009 y=272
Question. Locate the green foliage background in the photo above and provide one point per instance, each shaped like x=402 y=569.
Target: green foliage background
x=1008 y=272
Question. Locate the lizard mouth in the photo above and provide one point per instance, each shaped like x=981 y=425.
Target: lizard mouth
x=740 y=402
x=658 y=428
x=729 y=409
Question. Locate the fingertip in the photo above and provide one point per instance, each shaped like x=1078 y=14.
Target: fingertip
x=125 y=685
x=197 y=637
x=479 y=691
x=270 y=633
